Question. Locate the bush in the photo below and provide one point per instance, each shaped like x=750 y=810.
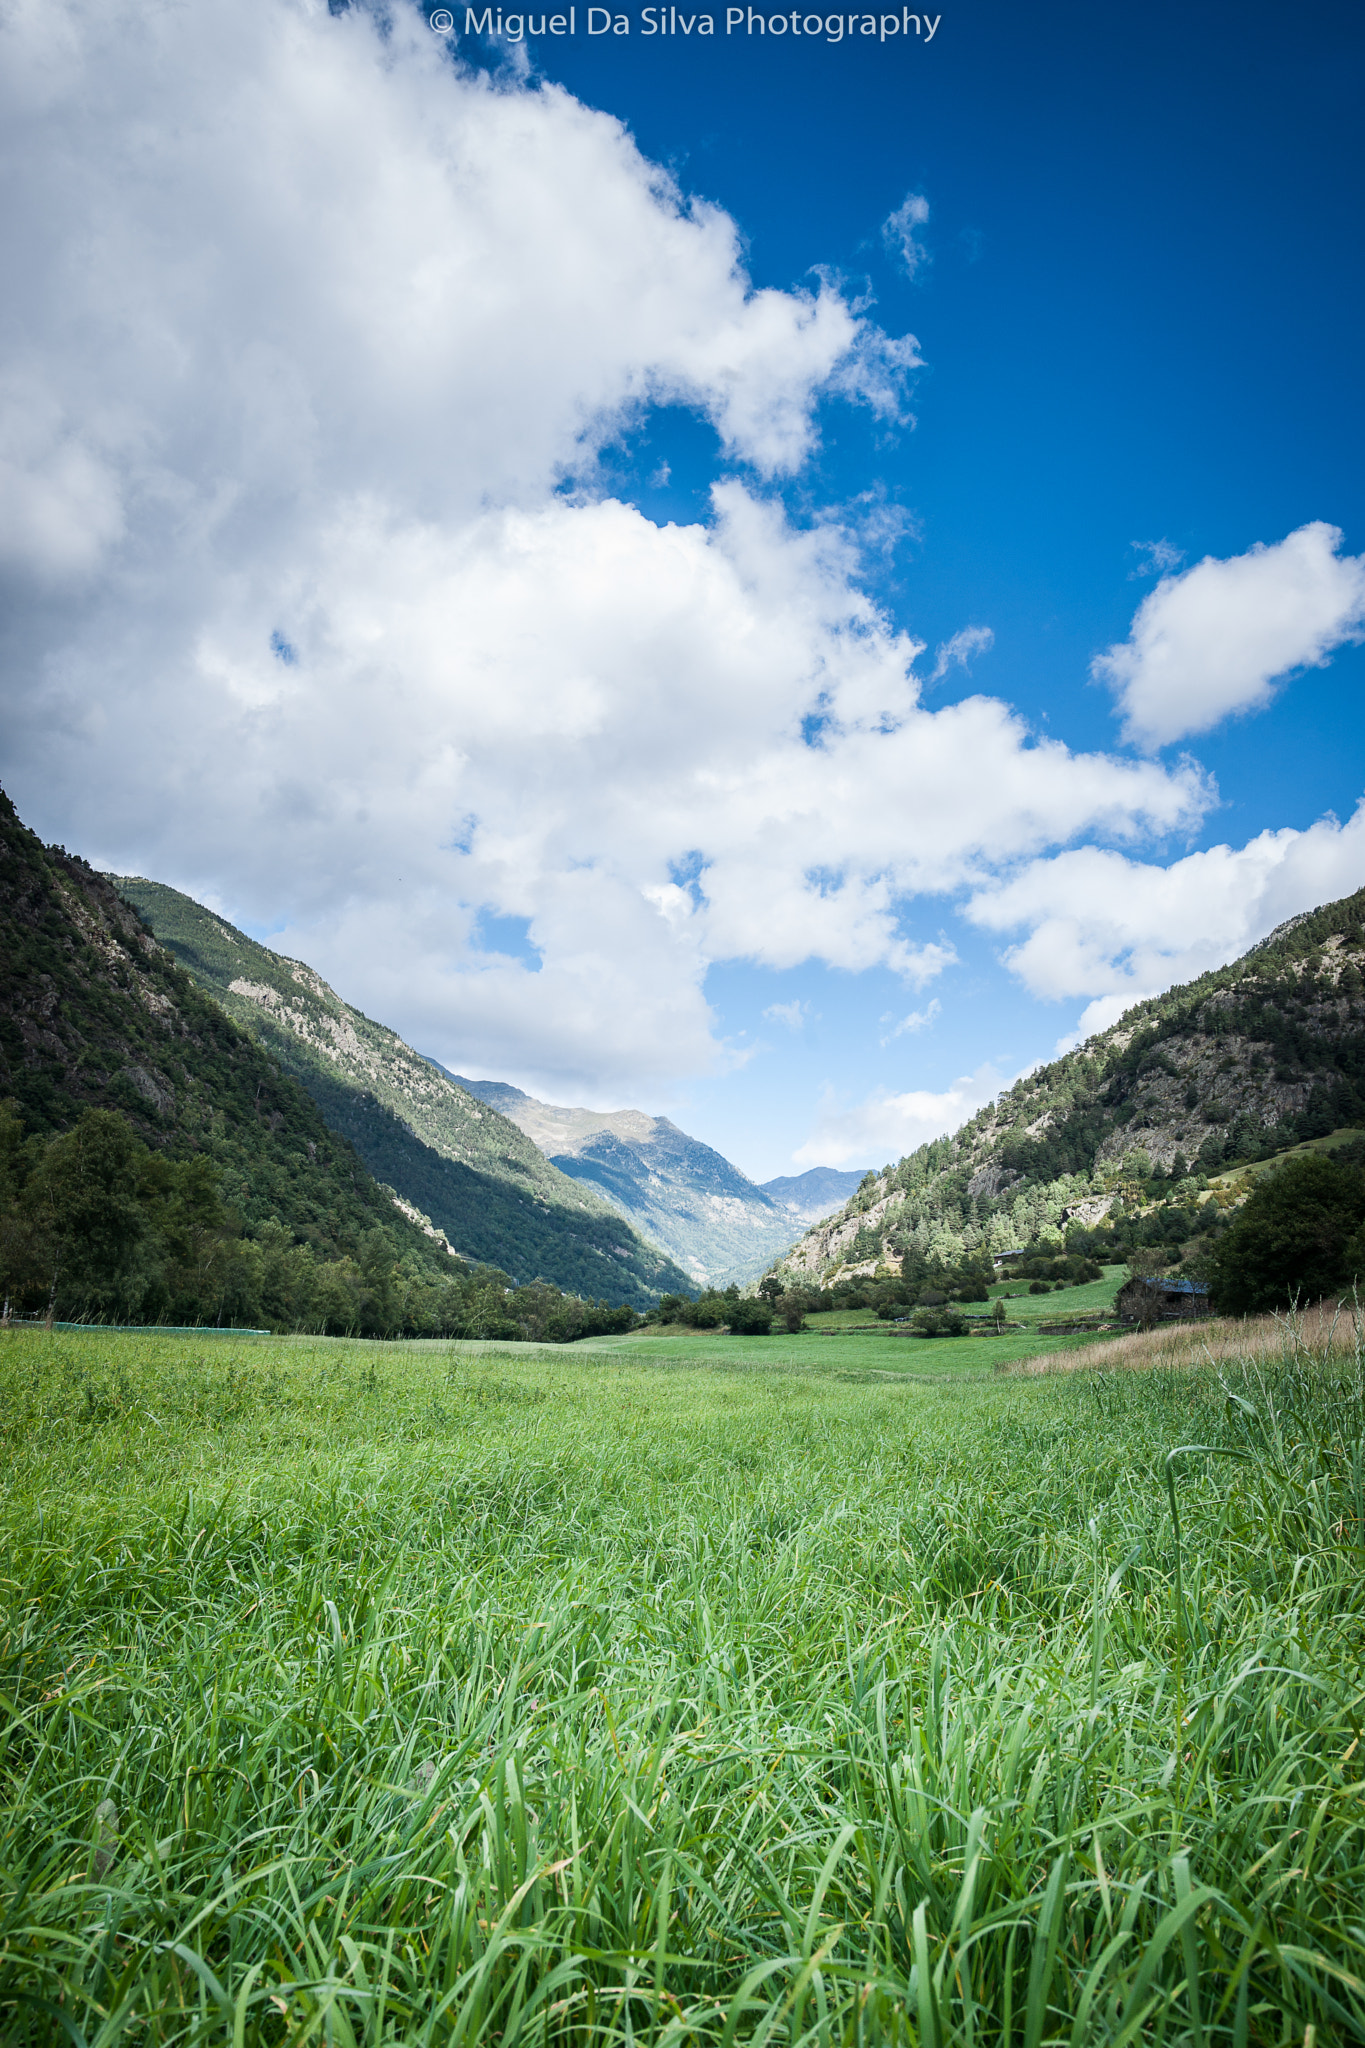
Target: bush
x=751 y=1317
x=1067 y=1269
x=939 y=1322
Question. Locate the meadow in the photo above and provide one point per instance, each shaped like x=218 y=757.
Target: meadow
x=839 y=1689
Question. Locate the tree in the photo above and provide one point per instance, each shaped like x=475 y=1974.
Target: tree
x=1291 y=1239
x=792 y=1308
x=750 y=1317
x=84 y=1199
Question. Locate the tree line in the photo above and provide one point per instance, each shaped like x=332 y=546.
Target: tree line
x=96 y=1226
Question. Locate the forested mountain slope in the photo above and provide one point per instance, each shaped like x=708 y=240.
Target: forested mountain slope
x=454 y=1159
x=683 y=1194
x=1236 y=1066
x=96 y=1016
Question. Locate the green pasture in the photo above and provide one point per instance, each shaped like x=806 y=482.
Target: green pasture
x=869 y=1347
x=1096 y=1297
x=824 y=1690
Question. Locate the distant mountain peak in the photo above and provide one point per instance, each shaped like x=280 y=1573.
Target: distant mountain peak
x=681 y=1193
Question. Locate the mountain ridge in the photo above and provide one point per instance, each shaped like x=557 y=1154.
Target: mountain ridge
x=457 y=1161
x=95 y=1015
x=681 y=1192
x=1233 y=1067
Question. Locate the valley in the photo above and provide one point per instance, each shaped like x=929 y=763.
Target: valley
x=715 y=1222
x=549 y=1663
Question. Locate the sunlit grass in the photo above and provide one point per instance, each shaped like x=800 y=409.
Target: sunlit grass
x=1327 y=1327
x=452 y=1696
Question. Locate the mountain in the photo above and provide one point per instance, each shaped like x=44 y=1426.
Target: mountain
x=452 y=1159
x=95 y=1015
x=1122 y=1135
x=711 y=1217
x=807 y=1197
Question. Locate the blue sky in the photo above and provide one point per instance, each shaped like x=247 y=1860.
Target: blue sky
x=1140 y=308
x=576 y=496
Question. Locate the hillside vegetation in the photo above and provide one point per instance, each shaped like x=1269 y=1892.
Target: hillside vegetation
x=1119 y=1148
x=453 y=1159
x=146 y=1134
x=157 y=1165
x=375 y=1694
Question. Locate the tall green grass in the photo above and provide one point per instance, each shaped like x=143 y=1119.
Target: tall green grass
x=365 y=1694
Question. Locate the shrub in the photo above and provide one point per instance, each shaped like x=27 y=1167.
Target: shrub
x=792 y=1308
x=939 y=1322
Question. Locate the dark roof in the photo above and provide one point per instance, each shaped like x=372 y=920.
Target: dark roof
x=1184 y=1286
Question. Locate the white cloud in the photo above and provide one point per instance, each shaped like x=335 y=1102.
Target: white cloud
x=960 y=650
x=885 y=1126
x=899 y=232
x=917 y=1020
x=1214 y=640
x=59 y=498
x=338 y=423
x=415 y=282
x=1112 y=930
x=792 y=1014
x=1160 y=557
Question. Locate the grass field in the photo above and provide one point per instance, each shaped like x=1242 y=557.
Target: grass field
x=690 y=1689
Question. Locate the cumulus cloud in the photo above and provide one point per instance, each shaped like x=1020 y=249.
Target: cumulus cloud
x=886 y=1125
x=308 y=331
x=900 y=232
x=792 y=1014
x=1216 y=639
x=1110 y=929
